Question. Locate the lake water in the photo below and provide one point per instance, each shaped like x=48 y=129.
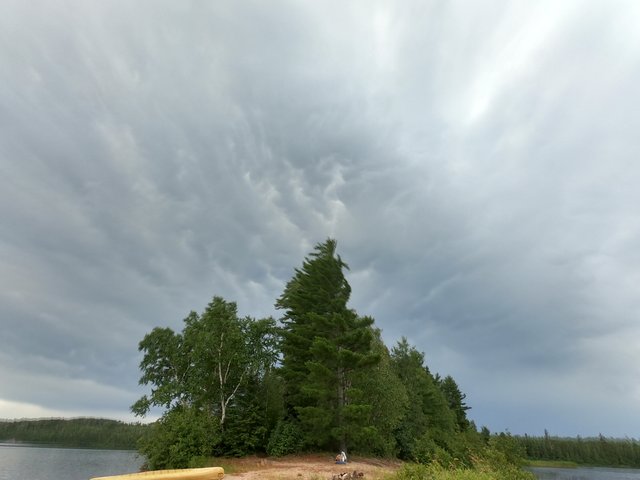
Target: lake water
x=24 y=462
x=595 y=473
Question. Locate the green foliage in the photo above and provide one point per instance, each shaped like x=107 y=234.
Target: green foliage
x=250 y=421
x=319 y=289
x=486 y=435
x=215 y=381
x=427 y=412
x=216 y=354
x=165 y=365
x=501 y=464
x=455 y=400
x=79 y=432
x=509 y=446
x=450 y=449
x=227 y=353
x=476 y=460
x=388 y=399
x=285 y=439
x=179 y=437
x=427 y=450
x=413 y=471
x=463 y=456
x=436 y=471
x=325 y=346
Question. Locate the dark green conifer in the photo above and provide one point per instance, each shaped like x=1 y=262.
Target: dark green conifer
x=317 y=290
x=428 y=417
x=455 y=399
x=324 y=343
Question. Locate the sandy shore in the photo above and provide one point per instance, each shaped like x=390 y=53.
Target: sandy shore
x=308 y=467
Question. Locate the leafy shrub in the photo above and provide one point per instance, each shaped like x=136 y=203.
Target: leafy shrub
x=426 y=449
x=370 y=441
x=413 y=471
x=437 y=472
x=286 y=438
x=180 y=438
x=444 y=449
x=244 y=434
x=496 y=462
x=513 y=451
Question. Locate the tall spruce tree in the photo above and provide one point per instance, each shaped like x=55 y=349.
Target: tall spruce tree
x=324 y=344
x=455 y=400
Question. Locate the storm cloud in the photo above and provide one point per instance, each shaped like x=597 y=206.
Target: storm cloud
x=477 y=163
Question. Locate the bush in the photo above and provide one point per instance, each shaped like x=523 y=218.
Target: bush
x=369 y=441
x=413 y=471
x=438 y=472
x=442 y=448
x=286 y=438
x=426 y=449
x=496 y=462
x=513 y=451
x=180 y=438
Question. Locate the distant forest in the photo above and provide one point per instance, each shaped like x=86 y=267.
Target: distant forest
x=584 y=451
x=80 y=432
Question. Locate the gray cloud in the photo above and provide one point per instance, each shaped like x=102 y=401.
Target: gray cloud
x=476 y=164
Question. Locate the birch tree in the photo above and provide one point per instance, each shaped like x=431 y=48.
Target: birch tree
x=207 y=365
x=228 y=352
x=165 y=366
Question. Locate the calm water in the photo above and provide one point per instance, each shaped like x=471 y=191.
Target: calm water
x=21 y=462
x=595 y=473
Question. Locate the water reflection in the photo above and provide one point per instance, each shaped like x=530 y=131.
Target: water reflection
x=595 y=473
x=22 y=462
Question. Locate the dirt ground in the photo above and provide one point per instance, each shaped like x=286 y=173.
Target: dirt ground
x=308 y=467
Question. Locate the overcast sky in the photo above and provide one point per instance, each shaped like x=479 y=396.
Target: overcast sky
x=478 y=163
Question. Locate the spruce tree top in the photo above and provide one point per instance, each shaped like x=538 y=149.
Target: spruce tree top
x=318 y=287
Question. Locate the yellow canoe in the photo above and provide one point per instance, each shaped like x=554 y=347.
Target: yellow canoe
x=209 y=473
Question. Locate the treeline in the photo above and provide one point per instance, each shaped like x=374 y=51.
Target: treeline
x=320 y=379
x=587 y=451
x=79 y=432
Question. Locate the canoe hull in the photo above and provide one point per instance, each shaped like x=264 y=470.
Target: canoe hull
x=210 y=473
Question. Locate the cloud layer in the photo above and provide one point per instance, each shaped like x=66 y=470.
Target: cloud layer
x=477 y=164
